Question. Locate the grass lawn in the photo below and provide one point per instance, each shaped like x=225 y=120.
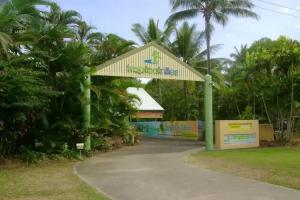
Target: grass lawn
x=277 y=165
x=45 y=181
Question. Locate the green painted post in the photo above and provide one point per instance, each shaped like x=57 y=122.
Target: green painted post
x=87 y=107
x=209 y=139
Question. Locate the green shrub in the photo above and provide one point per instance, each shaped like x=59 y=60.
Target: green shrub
x=24 y=96
x=247 y=113
x=97 y=143
x=131 y=136
x=30 y=156
x=71 y=154
x=108 y=144
x=101 y=143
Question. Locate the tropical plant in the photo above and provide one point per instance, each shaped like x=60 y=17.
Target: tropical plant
x=263 y=82
x=187 y=47
x=108 y=46
x=20 y=113
x=153 y=32
x=240 y=54
x=14 y=18
x=219 y=11
x=44 y=51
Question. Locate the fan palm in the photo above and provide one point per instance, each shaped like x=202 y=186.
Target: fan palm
x=216 y=10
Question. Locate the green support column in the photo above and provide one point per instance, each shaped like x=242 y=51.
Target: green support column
x=209 y=139
x=87 y=107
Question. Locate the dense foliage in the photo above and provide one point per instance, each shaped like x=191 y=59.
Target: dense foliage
x=44 y=51
x=263 y=83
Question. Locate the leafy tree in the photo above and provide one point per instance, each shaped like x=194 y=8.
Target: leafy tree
x=264 y=78
x=20 y=113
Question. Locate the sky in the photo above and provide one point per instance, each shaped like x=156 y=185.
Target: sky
x=117 y=16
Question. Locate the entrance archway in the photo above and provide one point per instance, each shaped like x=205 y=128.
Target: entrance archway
x=153 y=61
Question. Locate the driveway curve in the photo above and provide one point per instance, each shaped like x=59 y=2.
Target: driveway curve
x=155 y=170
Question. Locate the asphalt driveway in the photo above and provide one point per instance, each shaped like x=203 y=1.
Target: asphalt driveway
x=155 y=170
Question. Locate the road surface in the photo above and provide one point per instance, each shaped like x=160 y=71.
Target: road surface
x=155 y=170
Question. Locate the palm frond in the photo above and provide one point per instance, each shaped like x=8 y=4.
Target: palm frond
x=187 y=4
x=140 y=32
x=213 y=49
x=181 y=15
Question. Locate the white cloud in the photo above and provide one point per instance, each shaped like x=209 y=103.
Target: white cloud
x=287 y=10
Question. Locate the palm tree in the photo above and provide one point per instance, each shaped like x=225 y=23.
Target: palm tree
x=240 y=54
x=216 y=10
x=14 y=18
x=154 y=33
x=58 y=17
x=187 y=47
x=5 y=40
x=107 y=47
x=85 y=33
x=187 y=42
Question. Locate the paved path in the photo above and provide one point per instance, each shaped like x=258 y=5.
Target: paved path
x=155 y=170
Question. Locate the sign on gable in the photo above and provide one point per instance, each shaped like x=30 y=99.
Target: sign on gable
x=150 y=61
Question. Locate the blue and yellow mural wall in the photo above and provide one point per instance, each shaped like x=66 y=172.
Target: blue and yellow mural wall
x=179 y=129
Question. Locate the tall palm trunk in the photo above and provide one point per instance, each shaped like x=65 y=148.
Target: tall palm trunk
x=186 y=105
x=207 y=37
